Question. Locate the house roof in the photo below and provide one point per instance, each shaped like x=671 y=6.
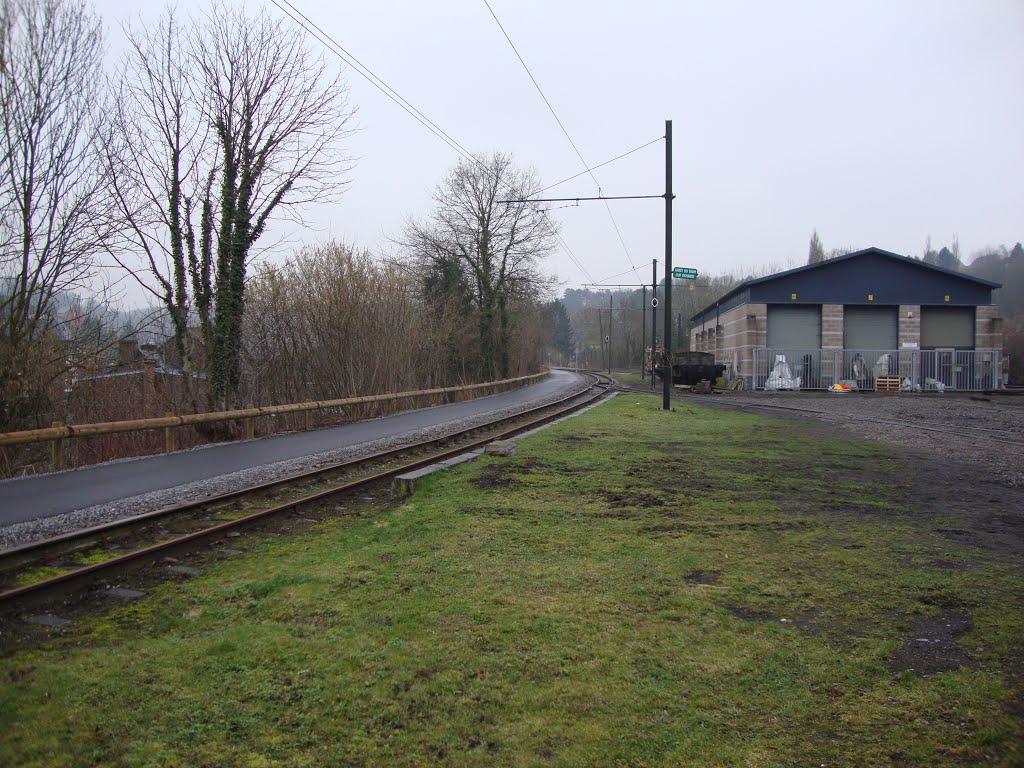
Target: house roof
x=747 y=284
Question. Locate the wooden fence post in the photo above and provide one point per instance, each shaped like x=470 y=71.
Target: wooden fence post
x=169 y=436
x=309 y=419
x=57 y=450
x=250 y=425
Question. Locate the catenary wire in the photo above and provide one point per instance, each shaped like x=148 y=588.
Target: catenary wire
x=612 y=277
x=600 y=165
x=328 y=42
x=554 y=114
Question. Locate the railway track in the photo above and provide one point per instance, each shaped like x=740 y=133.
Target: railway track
x=74 y=562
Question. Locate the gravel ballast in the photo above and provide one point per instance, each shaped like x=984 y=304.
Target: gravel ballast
x=24 y=532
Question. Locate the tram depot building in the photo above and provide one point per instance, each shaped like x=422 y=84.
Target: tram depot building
x=854 y=318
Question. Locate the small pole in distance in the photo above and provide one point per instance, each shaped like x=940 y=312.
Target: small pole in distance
x=666 y=377
x=654 y=316
x=610 y=298
x=643 y=334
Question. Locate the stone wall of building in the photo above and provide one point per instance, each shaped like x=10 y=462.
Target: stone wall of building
x=909 y=326
x=988 y=328
x=738 y=332
x=831 y=326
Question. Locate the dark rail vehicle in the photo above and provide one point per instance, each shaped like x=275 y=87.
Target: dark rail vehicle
x=688 y=368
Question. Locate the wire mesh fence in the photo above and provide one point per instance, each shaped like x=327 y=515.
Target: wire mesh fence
x=920 y=370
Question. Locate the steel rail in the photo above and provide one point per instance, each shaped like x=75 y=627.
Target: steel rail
x=67 y=581
x=177 y=509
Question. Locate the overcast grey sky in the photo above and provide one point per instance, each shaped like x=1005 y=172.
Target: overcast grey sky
x=876 y=122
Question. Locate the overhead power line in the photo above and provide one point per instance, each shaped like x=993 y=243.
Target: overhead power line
x=562 y=126
x=612 y=277
x=601 y=165
x=539 y=89
x=377 y=82
x=577 y=199
x=368 y=74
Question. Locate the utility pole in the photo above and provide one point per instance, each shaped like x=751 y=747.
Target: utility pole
x=667 y=374
x=643 y=334
x=624 y=310
x=668 y=197
x=654 y=314
x=611 y=297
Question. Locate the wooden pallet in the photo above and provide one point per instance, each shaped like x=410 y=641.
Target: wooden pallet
x=888 y=385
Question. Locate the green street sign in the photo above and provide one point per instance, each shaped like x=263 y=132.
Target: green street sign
x=684 y=273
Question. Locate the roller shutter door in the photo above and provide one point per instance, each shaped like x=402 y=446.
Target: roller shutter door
x=947 y=327
x=794 y=327
x=871 y=327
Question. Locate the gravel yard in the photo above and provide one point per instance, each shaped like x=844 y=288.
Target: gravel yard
x=987 y=435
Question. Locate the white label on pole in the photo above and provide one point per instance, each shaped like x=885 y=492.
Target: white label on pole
x=654 y=302
x=607 y=339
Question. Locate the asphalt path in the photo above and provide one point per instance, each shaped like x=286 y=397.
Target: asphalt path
x=40 y=496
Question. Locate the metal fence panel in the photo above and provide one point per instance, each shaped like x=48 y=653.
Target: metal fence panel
x=968 y=370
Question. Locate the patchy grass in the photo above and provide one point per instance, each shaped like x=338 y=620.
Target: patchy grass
x=634 y=380
x=635 y=588
x=93 y=556
x=41 y=573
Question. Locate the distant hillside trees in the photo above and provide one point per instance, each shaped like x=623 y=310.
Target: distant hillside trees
x=1004 y=266
x=562 y=337
x=816 y=252
x=945 y=257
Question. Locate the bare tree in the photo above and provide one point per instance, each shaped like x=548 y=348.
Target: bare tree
x=221 y=126
x=278 y=116
x=51 y=222
x=495 y=245
x=160 y=162
x=318 y=328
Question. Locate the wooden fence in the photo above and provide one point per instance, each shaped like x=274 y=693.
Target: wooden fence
x=59 y=432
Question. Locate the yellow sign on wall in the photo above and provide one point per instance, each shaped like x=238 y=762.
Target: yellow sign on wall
x=792 y=297
x=947 y=297
x=871 y=297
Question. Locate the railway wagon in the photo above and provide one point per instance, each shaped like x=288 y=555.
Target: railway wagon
x=688 y=368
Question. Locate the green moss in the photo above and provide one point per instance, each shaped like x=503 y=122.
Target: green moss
x=91 y=557
x=40 y=574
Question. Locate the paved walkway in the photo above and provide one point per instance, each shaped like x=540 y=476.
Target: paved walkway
x=39 y=496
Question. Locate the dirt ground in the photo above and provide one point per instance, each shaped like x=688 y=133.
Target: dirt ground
x=962 y=462
x=985 y=433
x=962 y=494
x=968 y=463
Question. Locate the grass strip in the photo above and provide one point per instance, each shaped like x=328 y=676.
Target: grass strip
x=635 y=587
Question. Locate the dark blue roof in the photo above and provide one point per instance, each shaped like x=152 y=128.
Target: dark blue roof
x=888 y=277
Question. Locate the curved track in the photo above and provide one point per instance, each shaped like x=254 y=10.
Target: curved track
x=218 y=467
x=26 y=571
